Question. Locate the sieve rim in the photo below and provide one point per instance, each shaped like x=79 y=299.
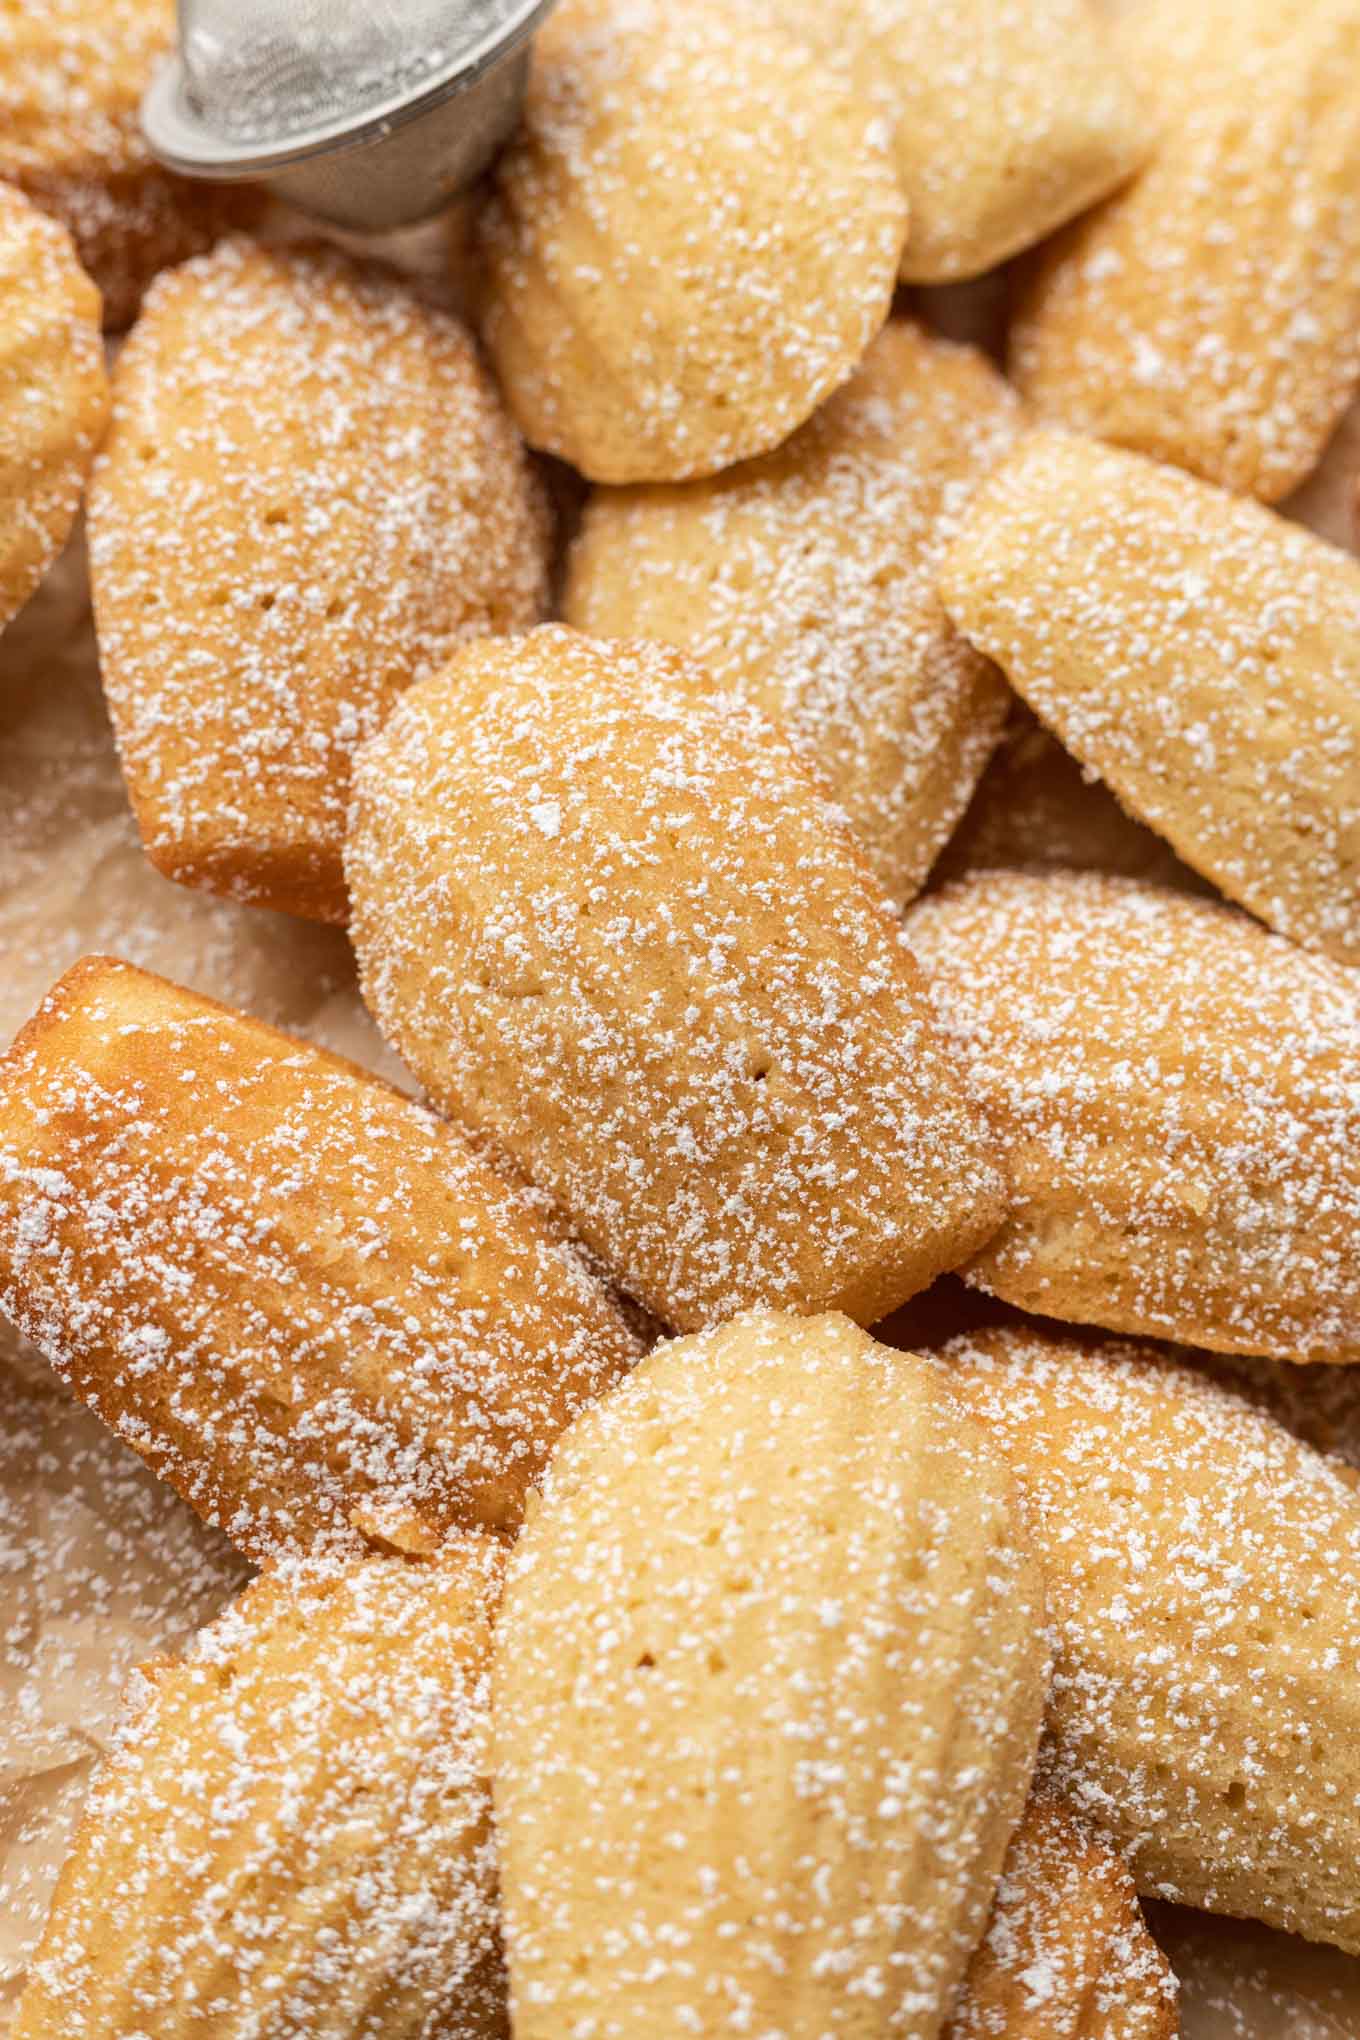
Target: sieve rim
x=183 y=140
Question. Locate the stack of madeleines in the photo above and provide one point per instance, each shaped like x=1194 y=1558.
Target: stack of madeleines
x=891 y=815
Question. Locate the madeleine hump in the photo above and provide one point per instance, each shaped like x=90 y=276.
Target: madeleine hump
x=1197 y=651
x=611 y=920
x=310 y=493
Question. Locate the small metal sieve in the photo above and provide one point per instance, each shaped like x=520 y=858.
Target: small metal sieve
x=371 y=113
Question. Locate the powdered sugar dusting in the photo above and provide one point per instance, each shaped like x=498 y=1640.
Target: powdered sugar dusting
x=690 y=1014
x=768 y=1683
x=309 y=495
x=295 y=1828
x=1178 y=1097
x=1067 y=1954
x=1210 y=313
x=1203 y=1577
x=306 y=1302
x=806 y=581
x=53 y=395
x=691 y=243
x=1196 y=651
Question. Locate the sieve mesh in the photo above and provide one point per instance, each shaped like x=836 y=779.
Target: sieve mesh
x=265 y=70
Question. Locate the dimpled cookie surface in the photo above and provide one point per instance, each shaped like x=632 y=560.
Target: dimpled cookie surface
x=806 y=581
x=610 y=920
x=768 y=1682
x=690 y=243
x=1197 y=651
x=310 y=493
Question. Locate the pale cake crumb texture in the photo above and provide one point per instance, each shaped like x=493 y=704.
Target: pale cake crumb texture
x=294 y=1831
x=1209 y=314
x=690 y=243
x=1198 y=652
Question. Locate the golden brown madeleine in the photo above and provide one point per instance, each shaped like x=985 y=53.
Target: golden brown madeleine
x=1202 y=1570
x=1177 y=1095
x=292 y=1839
x=1067 y=1954
x=1199 y=653
x=1210 y=313
x=311 y=1306
x=310 y=494
x=768 y=1685
x=609 y=918
x=54 y=396
x=72 y=75
x=1008 y=116
x=805 y=581
x=691 y=243
x=1035 y=809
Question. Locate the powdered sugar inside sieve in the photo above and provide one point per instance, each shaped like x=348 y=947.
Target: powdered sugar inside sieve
x=267 y=70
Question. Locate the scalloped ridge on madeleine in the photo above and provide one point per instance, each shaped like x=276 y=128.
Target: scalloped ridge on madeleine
x=54 y=396
x=775 y=1605
x=1067 y=1954
x=292 y=1837
x=806 y=581
x=1177 y=1095
x=309 y=1304
x=1198 y=652
x=610 y=919
x=690 y=243
x=310 y=493
x=1202 y=1570
x=1209 y=313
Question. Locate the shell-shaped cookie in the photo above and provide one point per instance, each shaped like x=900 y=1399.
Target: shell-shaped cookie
x=691 y=243
x=806 y=581
x=311 y=1306
x=53 y=394
x=1008 y=116
x=1177 y=1094
x=309 y=495
x=1067 y=1954
x=1202 y=1572
x=1198 y=652
x=609 y=918
x=768 y=1685
x=1210 y=313
x=292 y=1839
x=72 y=76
